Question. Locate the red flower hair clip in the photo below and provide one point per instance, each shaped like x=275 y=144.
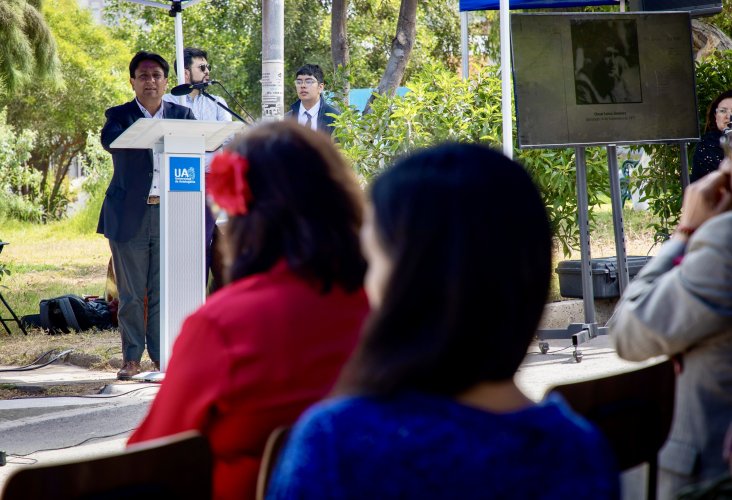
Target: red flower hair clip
x=227 y=182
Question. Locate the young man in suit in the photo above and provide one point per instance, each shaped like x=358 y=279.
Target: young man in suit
x=311 y=109
x=130 y=215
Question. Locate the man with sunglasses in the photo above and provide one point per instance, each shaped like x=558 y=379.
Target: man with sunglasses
x=311 y=109
x=198 y=70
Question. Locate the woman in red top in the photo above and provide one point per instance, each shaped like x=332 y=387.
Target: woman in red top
x=273 y=341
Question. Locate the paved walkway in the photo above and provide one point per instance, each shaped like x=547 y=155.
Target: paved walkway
x=102 y=423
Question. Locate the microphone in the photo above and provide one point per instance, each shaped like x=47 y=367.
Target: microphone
x=187 y=88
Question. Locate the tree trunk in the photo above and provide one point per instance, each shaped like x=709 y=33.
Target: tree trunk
x=40 y=162
x=708 y=39
x=401 y=48
x=339 y=43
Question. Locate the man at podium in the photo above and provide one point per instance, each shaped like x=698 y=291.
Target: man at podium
x=130 y=215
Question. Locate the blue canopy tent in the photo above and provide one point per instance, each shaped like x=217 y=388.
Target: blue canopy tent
x=466 y=5
x=504 y=6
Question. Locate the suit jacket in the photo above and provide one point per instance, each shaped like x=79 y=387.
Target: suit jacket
x=325 y=123
x=126 y=197
x=687 y=309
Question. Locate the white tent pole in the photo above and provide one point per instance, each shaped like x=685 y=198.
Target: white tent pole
x=506 y=79
x=464 y=47
x=180 y=70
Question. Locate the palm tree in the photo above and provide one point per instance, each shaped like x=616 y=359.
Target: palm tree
x=27 y=47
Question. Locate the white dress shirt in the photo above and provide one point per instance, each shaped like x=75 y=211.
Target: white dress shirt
x=313 y=112
x=155 y=186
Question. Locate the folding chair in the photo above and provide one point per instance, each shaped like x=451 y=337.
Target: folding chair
x=633 y=410
x=178 y=466
x=275 y=442
x=4 y=321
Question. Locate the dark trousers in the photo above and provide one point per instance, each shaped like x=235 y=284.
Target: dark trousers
x=210 y=224
x=137 y=271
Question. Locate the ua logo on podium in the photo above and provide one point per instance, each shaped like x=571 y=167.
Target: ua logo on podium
x=185 y=173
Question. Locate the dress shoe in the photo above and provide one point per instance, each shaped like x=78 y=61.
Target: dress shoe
x=129 y=370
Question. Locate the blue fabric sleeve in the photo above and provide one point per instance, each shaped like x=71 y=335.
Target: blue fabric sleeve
x=302 y=470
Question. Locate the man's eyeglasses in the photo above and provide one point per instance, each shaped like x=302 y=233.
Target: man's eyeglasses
x=306 y=82
x=724 y=111
x=204 y=67
x=155 y=77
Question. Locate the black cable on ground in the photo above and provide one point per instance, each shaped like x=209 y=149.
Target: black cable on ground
x=39 y=358
x=25 y=455
x=33 y=366
x=88 y=396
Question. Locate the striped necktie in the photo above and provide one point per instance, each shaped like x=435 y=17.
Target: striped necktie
x=308 y=120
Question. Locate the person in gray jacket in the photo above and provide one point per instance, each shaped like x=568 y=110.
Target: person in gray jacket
x=680 y=305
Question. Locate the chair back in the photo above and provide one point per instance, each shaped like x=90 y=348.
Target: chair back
x=275 y=442
x=633 y=410
x=178 y=466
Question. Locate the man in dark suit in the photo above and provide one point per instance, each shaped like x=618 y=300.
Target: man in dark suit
x=311 y=109
x=130 y=216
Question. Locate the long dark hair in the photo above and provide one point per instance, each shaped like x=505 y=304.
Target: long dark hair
x=711 y=124
x=307 y=208
x=470 y=245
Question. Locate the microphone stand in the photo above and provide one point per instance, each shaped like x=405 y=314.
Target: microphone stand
x=235 y=101
x=203 y=92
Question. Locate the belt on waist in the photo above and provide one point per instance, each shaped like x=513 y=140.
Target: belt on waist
x=153 y=200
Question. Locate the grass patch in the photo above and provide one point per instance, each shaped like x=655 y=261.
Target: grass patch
x=93 y=349
x=50 y=260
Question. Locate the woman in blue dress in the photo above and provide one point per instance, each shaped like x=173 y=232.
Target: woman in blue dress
x=459 y=251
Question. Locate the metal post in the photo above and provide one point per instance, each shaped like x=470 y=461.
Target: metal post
x=506 y=79
x=683 y=145
x=180 y=66
x=588 y=293
x=617 y=207
x=464 y=45
x=273 y=59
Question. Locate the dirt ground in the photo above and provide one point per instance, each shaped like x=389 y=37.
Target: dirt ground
x=10 y=391
x=95 y=350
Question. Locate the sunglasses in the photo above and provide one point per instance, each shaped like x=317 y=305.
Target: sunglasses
x=204 y=67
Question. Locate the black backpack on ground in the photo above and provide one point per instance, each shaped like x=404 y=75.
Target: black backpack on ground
x=71 y=312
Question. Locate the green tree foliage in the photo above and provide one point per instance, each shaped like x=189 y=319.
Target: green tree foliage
x=28 y=48
x=371 y=26
x=17 y=177
x=97 y=165
x=94 y=77
x=231 y=31
x=723 y=20
x=440 y=106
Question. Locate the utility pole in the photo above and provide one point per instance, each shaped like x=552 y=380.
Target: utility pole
x=273 y=59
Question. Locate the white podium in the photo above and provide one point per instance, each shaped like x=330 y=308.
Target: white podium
x=180 y=146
